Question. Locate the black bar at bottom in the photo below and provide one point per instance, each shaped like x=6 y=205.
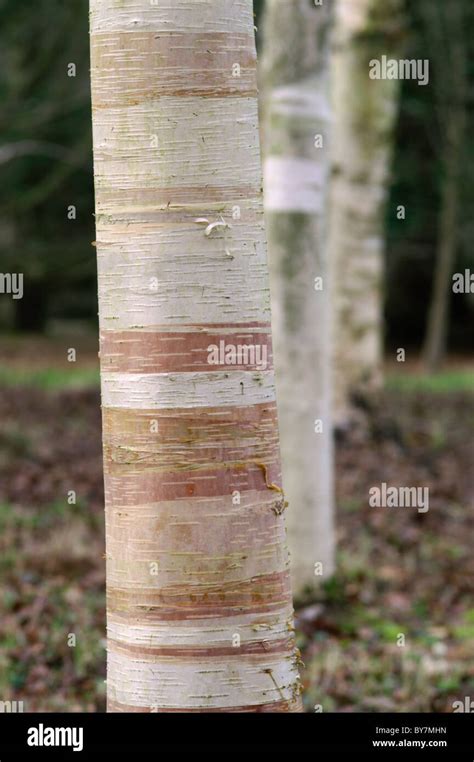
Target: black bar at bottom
x=79 y=736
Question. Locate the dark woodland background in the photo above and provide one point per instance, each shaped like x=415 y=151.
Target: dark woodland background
x=415 y=576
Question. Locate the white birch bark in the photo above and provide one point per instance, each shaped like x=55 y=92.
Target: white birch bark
x=296 y=138
x=199 y=609
x=365 y=112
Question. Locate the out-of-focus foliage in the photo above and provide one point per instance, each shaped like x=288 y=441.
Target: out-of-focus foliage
x=417 y=180
x=258 y=5
x=45 y=158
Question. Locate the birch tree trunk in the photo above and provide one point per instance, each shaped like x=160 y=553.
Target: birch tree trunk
x=198 y=596
x=365 y=114
x=296 y=130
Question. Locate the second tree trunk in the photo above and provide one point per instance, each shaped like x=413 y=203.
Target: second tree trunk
x=365 y=112
x=296 y=137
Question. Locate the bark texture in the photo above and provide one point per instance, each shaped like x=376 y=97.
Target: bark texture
x=365 y=113
x=296 y=138
x=199 y=604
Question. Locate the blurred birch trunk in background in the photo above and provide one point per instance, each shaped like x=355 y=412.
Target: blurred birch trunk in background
x=365 y=113
x=295 y=69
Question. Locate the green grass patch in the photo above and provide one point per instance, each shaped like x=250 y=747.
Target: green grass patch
x=50 y=378
x=440 y=383
x=465 y=631
x=14 y=517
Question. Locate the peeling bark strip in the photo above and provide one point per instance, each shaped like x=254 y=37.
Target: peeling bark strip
x=275 y=707
x=173 y=64
x=198 y=588
x=172 y=351
x=138 y=487
x=264 y=595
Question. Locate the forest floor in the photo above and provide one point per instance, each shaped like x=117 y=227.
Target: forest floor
x=399 y=572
